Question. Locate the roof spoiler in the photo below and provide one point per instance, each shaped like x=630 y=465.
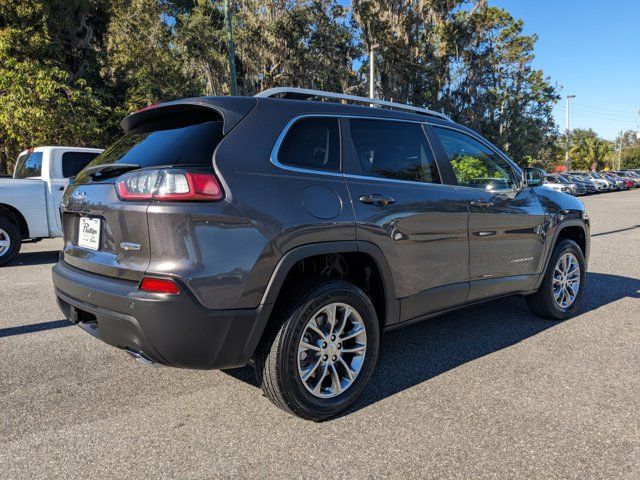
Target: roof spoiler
x=230 y=110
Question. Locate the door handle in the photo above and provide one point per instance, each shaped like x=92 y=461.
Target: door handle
x=482 y=203
x=60 y=188
x=376 y=199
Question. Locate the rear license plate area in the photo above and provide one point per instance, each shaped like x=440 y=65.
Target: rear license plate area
x=89 y=232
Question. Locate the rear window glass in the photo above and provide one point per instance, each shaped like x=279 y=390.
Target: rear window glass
x=185 y=145
x=312 y=143
x=28 y=165
x=73 y=162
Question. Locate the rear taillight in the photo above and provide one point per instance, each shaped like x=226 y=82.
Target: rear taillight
x=159 y=285
x=169 y=185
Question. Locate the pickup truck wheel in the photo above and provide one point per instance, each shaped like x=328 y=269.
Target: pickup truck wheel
x=563 y=283
x=318 y=357
x=10 y=241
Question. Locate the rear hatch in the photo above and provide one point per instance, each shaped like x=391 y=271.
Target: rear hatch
x=106 y=235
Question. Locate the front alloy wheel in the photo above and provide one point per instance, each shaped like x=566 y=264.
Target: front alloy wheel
x=561 y=288
x=566 y=280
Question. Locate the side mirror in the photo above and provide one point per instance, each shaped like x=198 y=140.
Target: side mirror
x=533 y=177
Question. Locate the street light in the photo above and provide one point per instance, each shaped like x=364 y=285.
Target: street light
x=567 y=162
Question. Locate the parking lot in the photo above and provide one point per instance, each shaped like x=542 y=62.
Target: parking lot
x=485 y=392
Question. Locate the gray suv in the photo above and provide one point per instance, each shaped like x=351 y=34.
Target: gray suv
x=291 y=233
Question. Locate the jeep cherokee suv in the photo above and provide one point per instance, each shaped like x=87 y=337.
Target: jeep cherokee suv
x=291 y=233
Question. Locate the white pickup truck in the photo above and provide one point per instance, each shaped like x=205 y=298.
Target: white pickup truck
x=29 y=202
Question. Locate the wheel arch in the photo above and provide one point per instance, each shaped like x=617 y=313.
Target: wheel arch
x=290 y=259
x=14 y=215
x=570 y=229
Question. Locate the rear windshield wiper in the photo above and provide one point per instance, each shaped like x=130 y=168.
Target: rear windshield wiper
x=106 y=170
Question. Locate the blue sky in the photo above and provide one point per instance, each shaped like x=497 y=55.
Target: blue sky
x=591 y=49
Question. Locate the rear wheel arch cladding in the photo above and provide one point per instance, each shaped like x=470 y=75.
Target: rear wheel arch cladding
x=287 y=263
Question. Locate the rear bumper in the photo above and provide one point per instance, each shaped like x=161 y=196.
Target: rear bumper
x=167 y=329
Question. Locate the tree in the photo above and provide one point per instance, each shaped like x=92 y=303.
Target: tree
x=588 y=151
x=145 y=64
x=46 y=63
x=629 y=141
x=71 y=69
x=628 y=138
x=468 y=167
x=630 y=157
x=475 y=65
x=200 y=32
x=304 y=43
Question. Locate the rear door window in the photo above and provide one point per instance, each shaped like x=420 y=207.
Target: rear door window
x=312 y=143
x=394 y=150
x=73 y=162
x=29 y=165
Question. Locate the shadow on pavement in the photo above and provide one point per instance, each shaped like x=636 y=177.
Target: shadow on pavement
x=419 y=352
x=34 y=258
x=615 y=231
x=34 y=327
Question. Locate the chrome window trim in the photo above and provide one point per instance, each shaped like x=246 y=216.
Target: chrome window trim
x=274 y=151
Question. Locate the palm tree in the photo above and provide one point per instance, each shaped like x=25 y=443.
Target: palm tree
x=592 y=152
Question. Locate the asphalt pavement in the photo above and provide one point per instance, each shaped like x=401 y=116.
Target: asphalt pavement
x=485 y=392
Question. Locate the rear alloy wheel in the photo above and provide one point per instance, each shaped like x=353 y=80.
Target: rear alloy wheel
x=332 y=350
x=10 y=241
x=563 y=283
x=317 y=358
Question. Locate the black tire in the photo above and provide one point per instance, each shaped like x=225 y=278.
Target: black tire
x=15 y=241
x=542 y=303
x=276 y=357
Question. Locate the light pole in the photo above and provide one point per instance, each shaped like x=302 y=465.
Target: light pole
x=567 y=162
x=372 y=77
x=620 y=151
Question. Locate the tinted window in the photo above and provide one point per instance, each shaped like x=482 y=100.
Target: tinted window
x=73 y=162
x=29 y=165
x=393 y=150
x=312 y=143
x=475 y=164
x=185 y=145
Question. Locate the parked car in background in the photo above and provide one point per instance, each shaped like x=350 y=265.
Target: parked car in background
x=611 y=184
x=599 y=184
x=574 y=188
x=587 y=184
x=293 y=232
x=553 y=185
x=30 y=201
x=632 y=175
x=629 y=179
x=621 y=183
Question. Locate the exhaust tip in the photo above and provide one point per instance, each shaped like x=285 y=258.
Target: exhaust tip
x=140 y=357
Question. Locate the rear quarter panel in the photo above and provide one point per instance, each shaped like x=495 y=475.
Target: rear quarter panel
x=291 y=208
x=225 y=261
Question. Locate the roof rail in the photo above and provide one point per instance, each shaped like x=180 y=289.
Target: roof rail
x=305 y=94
